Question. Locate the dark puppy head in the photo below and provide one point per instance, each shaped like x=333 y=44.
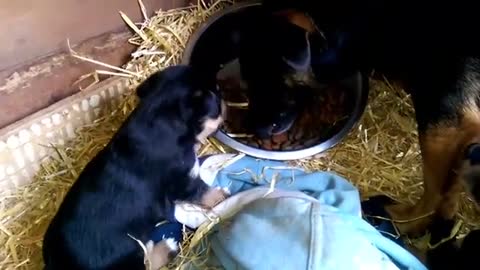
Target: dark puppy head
x=274 y=112
x=272 y=51
x=184 y=97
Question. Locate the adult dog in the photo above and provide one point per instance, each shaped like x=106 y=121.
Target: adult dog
x=434 y=52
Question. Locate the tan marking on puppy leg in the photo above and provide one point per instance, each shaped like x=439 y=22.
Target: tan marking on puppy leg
x=209 y=127
x=213 y=197
x=160 y=254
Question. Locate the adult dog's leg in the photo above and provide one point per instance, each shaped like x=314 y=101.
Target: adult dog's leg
x=446 y=95
x=443 y=149
x=438 y=148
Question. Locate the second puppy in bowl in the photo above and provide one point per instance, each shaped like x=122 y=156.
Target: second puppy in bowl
x=288 y=109
x=134 y=182
x=274 y=59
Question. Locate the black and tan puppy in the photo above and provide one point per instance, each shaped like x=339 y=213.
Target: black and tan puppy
x=434 y=52
x=134 y=182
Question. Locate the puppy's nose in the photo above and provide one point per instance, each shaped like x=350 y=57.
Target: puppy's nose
x=472 y=154
x=279 y=128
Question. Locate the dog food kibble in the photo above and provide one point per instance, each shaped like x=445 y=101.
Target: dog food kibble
x=280 y=138
x=266 y=144
x=276 y=146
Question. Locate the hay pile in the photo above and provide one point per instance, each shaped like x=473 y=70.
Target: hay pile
x=380 y=156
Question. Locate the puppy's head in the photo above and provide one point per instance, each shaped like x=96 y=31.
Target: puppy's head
x=272 y=51
x=273 y=111
x=185 y=98
x=470 y=171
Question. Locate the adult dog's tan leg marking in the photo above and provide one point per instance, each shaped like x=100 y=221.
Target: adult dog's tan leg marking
x=438 y=150
x=442 y=150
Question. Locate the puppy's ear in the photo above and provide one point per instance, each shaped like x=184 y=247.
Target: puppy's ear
x=207 y=104
x=150 y=85
x=172 y=76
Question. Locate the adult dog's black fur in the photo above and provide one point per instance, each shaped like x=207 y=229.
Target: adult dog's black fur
x=133 y=183
x=435 y=52
x=452 y=254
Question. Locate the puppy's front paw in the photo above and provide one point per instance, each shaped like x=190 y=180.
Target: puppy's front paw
x=160 y=254
x=214 y=196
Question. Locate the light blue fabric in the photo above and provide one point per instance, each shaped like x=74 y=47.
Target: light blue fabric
x=295 y=233
x=328 y=188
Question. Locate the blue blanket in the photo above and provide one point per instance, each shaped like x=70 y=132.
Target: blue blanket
x=281 y=217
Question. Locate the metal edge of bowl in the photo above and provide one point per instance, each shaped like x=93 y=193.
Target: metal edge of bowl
x=359 y=106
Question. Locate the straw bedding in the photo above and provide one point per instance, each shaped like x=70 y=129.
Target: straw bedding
x=380 y=155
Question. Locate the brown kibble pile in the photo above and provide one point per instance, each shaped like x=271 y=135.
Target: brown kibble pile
x=319 y=121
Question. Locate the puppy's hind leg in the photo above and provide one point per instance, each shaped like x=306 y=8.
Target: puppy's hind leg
x=161 y=253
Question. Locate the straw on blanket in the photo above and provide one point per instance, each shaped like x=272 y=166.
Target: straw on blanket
x=380 y=155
